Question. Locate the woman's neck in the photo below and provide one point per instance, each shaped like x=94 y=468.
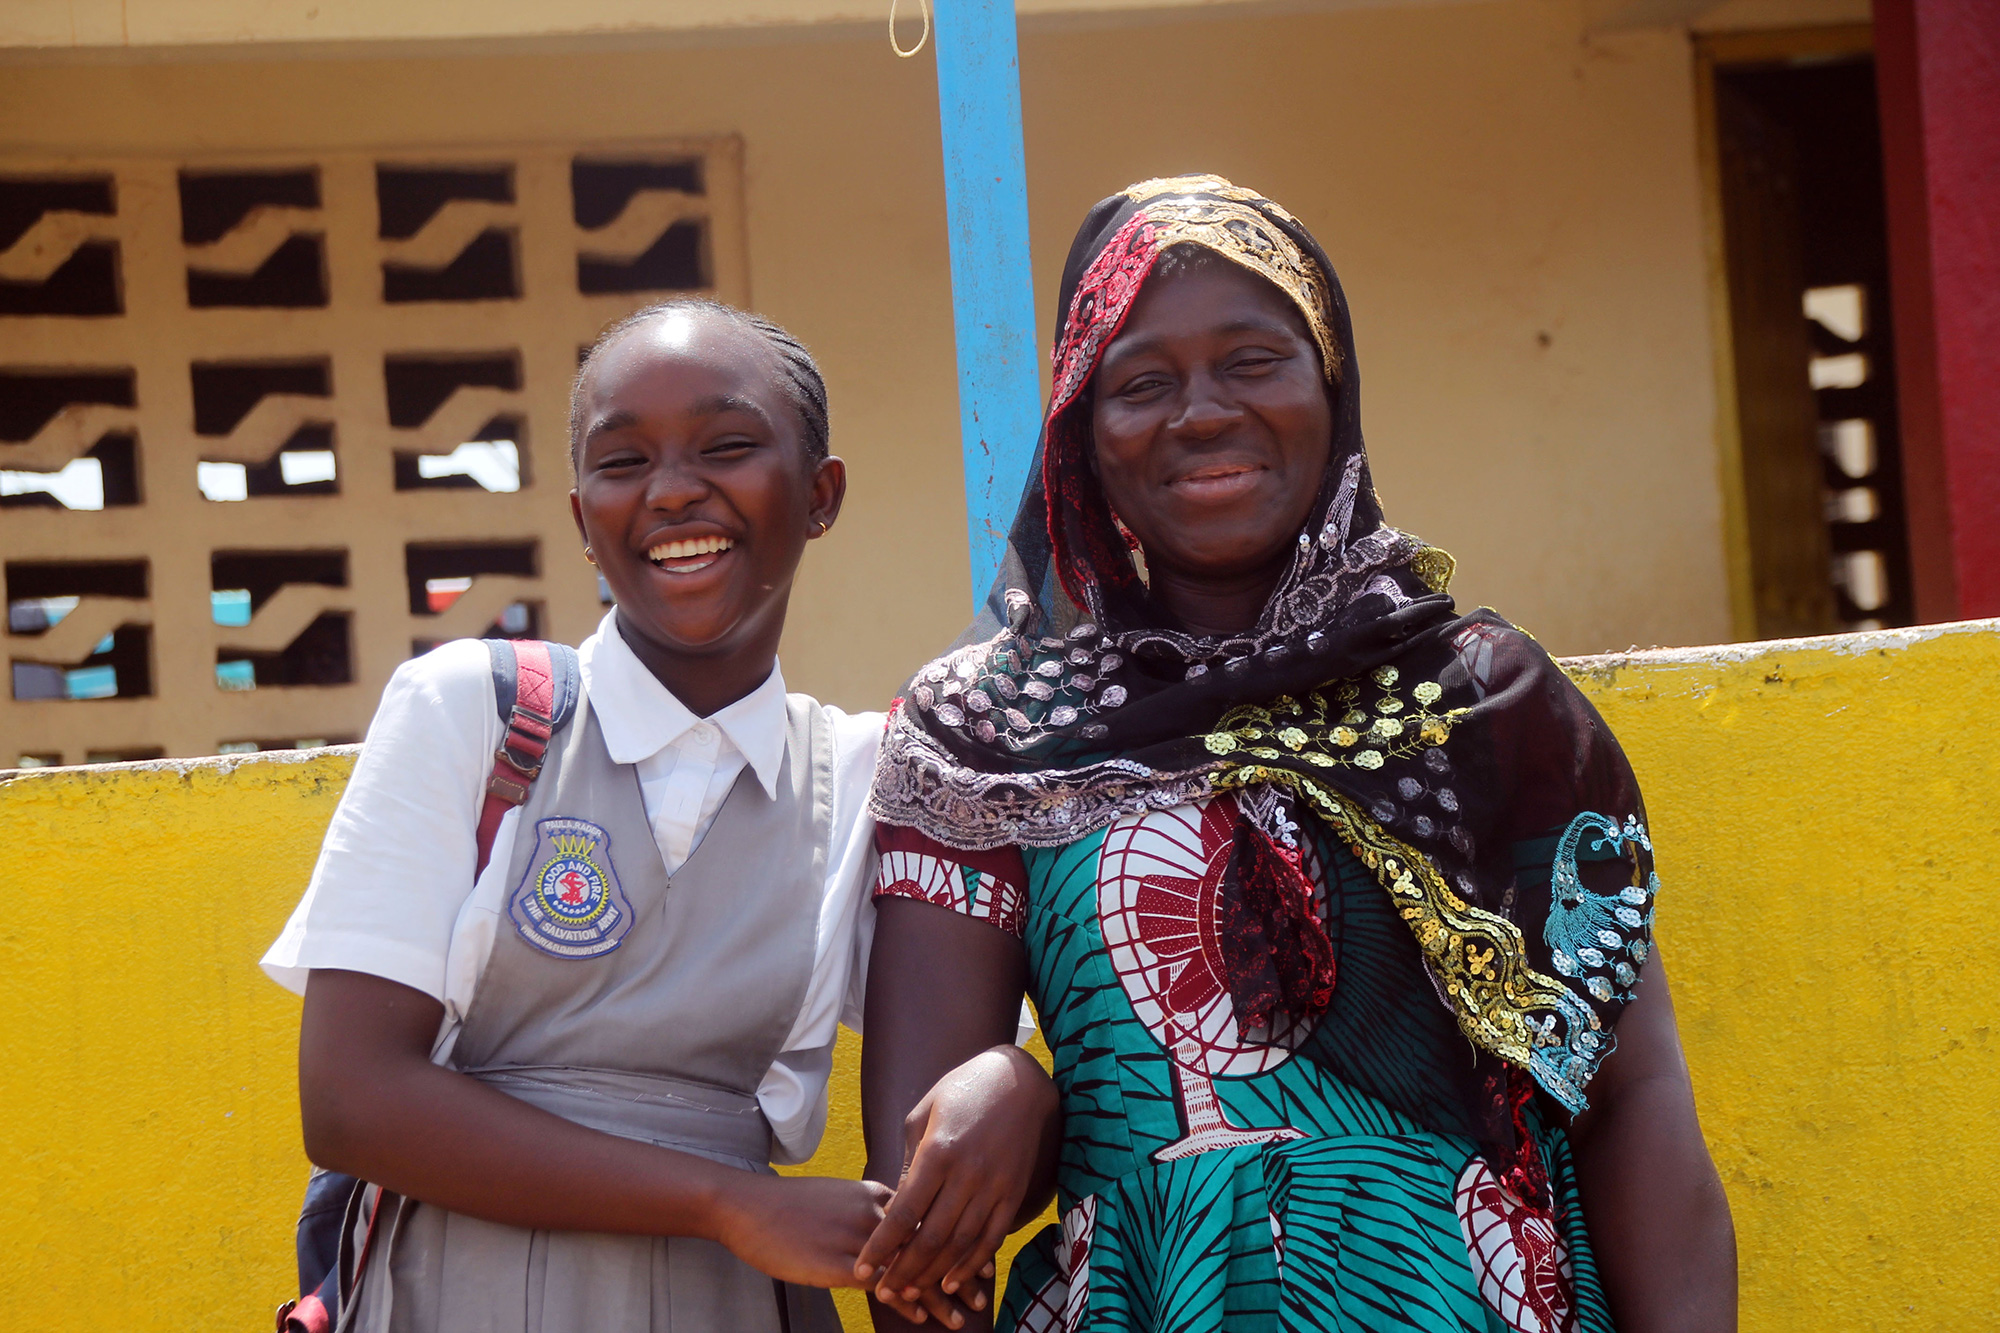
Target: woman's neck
x=1215 y=606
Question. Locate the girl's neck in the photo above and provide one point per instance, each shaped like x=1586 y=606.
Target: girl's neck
x=705 y=683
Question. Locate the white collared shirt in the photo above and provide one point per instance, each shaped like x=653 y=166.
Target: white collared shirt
x=393 y=893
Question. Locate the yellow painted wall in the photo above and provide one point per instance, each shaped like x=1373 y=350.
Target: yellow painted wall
x=1827 y=814
x=1514 y=208
x=1828 y=819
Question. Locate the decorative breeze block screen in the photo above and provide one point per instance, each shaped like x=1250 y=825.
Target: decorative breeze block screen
x=270 y=427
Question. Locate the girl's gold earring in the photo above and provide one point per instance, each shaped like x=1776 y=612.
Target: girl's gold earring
x=820 y=527
x=588 y=556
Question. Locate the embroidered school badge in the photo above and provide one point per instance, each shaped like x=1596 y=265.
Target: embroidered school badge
x=569 y=904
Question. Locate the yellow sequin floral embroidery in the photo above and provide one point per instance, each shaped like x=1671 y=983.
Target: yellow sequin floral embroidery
x=1325 y=728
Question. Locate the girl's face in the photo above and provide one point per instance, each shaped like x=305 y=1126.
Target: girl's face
x=693 y=488
x=1211 y=424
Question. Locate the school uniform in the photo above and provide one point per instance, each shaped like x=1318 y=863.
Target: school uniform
x=662 y=946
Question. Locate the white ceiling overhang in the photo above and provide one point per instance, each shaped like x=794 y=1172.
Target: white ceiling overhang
x=137 y=28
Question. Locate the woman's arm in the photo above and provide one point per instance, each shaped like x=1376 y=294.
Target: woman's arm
x=374 y=1106
x=962 y=1120
x=1658 y=1218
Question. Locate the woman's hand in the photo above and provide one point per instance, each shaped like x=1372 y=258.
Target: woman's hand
x=942 y=989
x=804 y=1230
x=974 y=1148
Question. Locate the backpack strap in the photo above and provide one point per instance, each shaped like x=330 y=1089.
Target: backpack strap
x=535 y=688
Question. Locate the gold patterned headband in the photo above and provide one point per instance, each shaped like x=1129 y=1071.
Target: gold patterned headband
x=1237 y=224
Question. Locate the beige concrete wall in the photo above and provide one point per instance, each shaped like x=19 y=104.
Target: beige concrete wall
x=1515 y=214
x=1514 y=210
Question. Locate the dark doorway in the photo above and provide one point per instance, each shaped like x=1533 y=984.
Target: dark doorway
x=1799 y=172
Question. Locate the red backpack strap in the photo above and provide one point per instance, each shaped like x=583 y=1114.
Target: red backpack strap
x=535 y=688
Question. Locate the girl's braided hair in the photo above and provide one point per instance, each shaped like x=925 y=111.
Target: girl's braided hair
x=803 y=383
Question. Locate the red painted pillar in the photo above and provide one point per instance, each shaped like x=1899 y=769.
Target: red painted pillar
x=1937 y=68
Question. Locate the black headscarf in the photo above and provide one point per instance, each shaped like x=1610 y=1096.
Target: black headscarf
x=1434 y=745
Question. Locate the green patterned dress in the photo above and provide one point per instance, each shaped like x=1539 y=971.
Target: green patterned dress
x=1212 y=1179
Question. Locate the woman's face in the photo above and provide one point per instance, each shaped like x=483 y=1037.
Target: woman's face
x=693 y=488
x=1212 y=426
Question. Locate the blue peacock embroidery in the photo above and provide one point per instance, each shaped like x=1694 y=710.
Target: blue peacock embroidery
x=1602 y=939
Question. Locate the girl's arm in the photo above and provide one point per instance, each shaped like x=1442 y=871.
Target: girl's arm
x=1657 y=1215
x=374 y=1106
x=964 y=1121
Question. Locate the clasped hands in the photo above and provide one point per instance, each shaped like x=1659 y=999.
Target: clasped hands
x=978 y=1160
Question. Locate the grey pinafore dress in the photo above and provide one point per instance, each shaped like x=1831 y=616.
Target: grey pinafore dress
x=642 y=1005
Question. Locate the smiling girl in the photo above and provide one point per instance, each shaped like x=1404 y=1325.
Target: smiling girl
x=571 y=1129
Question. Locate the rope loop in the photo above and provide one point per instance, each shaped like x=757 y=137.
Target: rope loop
x=925 y=6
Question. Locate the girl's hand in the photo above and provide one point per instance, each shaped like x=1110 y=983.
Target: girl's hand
x=805 y=1230
x=972 y=1148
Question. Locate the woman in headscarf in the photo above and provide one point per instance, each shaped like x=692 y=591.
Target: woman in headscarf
x=1333 y=902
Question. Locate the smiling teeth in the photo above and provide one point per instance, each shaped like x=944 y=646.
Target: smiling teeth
x=696 y=546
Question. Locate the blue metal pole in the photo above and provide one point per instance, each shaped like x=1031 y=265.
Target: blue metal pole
x=992 y=287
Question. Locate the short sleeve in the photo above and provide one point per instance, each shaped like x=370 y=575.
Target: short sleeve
x=398 y=859
x=793 y=1092
x=987 y=886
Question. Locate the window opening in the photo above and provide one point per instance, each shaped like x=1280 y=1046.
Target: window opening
x=226 y=392
x=294 y=277
x=644 y=240
x=304 y=465
x=320 y=655
x=32 y=615
x=67 y=270
x=418 y=386
x=86 y=283
x=272 y=264
x=601 y=188
x=42 y=759
x=41 y=596
x=26 y=200
x=485 y=270
x=50 y=413
x=215 y=203
x=31 y=399
x=75 y=579
x=243 y=583
x=451 y=566
x=107 y=475
x=1799 y=152
x=229 y=394
x=490 y=461
x=517 y=620
x=132 y=755
x=407 y=198
x=676 y=262
x=302 y=743
x=485 y=266
x=442 y=573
